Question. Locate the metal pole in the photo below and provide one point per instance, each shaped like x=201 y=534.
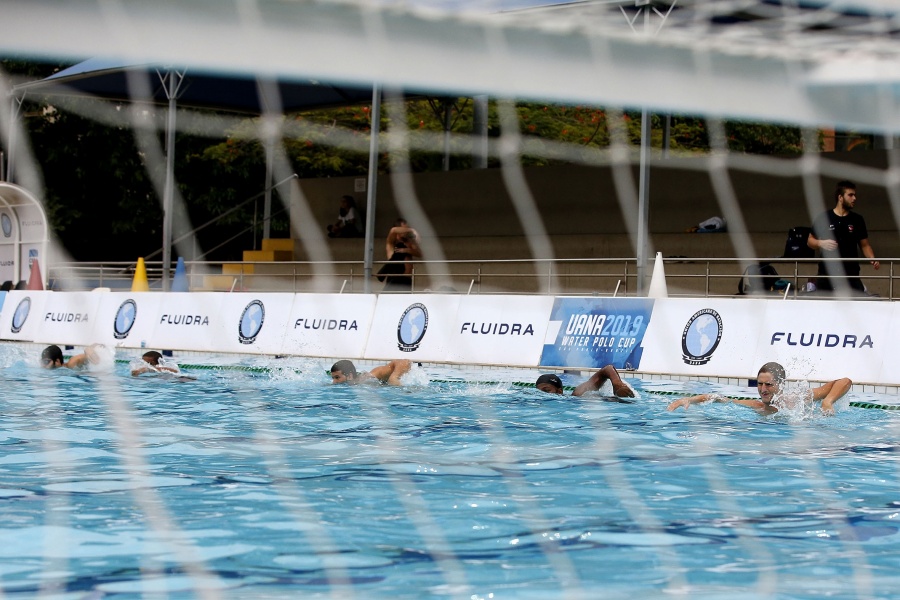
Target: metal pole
x=169 y=190
x=370 y=192
x=12 y=155
x=667 y=136
x=448 y=117
x=643 y=203
x=267 y=203
x=479 y=132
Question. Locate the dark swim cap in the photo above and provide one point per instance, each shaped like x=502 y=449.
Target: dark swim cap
x=549 y=378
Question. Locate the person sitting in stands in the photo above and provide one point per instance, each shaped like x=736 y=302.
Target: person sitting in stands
x=344 y=371
x=348 y=224
x=151 y=364
x=552 y=384
x=52 y=357
x=768 y=384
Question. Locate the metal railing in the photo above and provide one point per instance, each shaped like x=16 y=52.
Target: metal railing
x=685 y=277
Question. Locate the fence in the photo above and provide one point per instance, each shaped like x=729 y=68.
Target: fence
x=687 y=277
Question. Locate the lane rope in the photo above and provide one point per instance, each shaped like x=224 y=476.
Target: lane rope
x=520 y=384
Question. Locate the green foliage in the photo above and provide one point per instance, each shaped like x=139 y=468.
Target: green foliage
x=758 y=138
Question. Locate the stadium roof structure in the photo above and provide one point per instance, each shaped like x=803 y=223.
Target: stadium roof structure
x=809 y=62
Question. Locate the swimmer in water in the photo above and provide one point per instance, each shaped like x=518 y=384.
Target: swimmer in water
x=551 y=384
x=344 y=371
x=768 y=383
x=151 y=360
x=52 y=357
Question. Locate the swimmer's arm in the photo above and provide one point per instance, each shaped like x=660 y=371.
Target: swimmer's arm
x=152 y=369
x=688 y=400
x=607 y=373
x=77 y=362
x=391 y=372
x=754 y=404
x=140 y=371
x=831 y=392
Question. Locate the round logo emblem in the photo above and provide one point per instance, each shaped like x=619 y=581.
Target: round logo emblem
x=411 y=328
x=251 y=322
x=124 y=320
x=6 y=225
x=701 y=337
x=21 y=315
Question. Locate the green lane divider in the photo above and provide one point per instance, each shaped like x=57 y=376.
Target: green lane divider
x=874 y=405
x=241 y=368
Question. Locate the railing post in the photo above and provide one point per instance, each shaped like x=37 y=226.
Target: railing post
x=549 y=276
x=707 y=279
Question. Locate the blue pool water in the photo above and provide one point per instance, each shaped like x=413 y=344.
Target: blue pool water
x=275 y=485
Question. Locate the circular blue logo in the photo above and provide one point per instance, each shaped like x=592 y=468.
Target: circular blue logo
x=125 y=318
x=21 y=315
x=6 y=225
x=251 y=322
x=411 y=328
x=701 y=337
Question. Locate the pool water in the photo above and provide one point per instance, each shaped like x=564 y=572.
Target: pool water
x=273 y=484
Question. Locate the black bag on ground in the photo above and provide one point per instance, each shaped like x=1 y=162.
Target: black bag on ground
x=760 y=277
x=795 y=246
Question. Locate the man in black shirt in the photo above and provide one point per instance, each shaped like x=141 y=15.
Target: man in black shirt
x=837 y=233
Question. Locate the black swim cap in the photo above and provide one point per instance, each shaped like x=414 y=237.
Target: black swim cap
x=549 y=378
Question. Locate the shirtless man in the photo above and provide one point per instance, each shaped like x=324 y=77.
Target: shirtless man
x=406 y=237
x=552 y=384
x=768 y=383
x=344 y=371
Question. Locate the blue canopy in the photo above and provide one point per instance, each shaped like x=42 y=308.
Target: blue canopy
x=109 y=79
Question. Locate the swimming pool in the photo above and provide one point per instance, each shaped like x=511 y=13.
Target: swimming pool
x=270 y=484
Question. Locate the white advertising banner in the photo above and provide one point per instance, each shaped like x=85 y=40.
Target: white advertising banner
x=67 y=318
x=826 y=340
x=500 y=330
x=126 y=319
x=254 y=323
x=192 y=321
x=9 y=236
x=705 y=337
x=31 y=223
x=890 y=353
x=333 y=325
x=417 y=327
x=21 y=316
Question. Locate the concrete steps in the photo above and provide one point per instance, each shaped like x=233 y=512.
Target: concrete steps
x=239 y=276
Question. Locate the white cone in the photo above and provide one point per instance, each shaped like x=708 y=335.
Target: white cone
x=658 y=280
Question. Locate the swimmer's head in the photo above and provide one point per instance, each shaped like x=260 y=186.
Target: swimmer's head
x=152 y=358
x=343 y=371
x=768 y=381
x=52 y=357
x=549 y=383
